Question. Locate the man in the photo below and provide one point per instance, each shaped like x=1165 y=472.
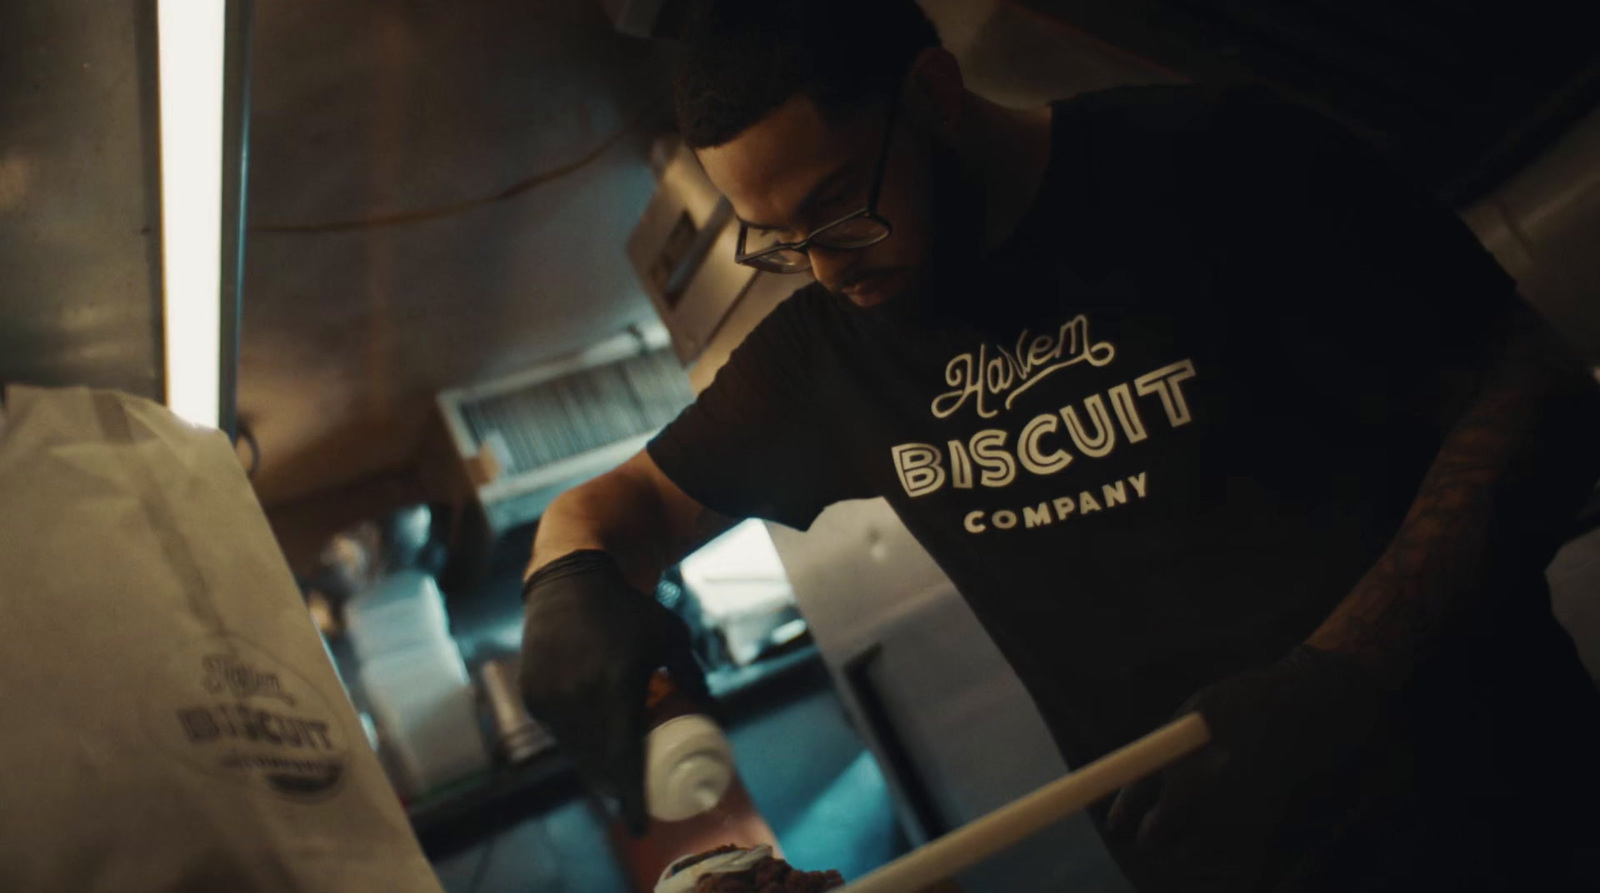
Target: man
x=1199 y=406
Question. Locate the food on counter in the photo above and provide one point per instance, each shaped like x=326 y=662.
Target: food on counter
x=689 y=862
x=736 y=869
x=769 y=875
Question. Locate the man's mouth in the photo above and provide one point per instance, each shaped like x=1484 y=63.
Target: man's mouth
x=869 y=289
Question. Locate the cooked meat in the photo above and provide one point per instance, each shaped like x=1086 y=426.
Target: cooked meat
x=770 y=876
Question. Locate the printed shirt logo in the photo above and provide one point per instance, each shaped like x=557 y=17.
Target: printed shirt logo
x=229 y=709
x=1050 y=442
x=1010 y=373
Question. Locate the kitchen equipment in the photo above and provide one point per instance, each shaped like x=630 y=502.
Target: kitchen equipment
x=954 y=730
x=683 y=250
x=403 y=609
x=972 y=843
x=739 y=582
x=423 y=701
x=348 y=563
x=519 y=735
x=517 y=442
x=414 y=678
x=405 y=534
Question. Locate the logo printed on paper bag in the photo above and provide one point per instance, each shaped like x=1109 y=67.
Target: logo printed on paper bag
x=227 y=673
x=229 y=709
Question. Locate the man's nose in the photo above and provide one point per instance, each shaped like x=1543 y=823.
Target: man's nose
x=831 y=267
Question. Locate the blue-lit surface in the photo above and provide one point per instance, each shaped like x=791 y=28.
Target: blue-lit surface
x=818 y=788
x=805 y=768
x=849 y=826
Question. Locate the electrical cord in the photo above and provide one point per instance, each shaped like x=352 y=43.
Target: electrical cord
x=249 y=437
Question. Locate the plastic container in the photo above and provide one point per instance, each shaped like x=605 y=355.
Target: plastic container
x=403 y=610
x=424 y=703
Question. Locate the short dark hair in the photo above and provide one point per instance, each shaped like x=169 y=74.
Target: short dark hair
x=743 y=58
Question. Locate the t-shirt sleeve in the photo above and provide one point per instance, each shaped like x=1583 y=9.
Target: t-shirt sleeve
x=754 y=443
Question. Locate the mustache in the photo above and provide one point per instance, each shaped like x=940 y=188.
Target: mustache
x=860 y=276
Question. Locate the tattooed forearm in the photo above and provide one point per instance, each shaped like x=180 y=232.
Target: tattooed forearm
x=1387 y=620
x=1438 y=564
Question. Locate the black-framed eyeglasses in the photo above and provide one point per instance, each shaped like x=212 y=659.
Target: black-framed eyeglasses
x=852 y=232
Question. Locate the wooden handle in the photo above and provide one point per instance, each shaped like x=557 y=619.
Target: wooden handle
x=978 y=840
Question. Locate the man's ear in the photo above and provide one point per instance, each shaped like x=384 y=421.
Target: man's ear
x=935 y=96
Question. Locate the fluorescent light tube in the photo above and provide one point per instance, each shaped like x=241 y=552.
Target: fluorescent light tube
x=190 y=51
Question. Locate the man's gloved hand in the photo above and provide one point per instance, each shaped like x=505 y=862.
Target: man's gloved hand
x=590 y=644
x=1205 y=822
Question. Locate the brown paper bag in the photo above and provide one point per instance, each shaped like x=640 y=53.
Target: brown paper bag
x=169 y=718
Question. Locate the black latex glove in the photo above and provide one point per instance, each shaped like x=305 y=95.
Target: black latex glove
x=590 y=644
x=1206 y=821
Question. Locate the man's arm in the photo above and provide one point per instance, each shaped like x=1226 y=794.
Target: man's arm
x=1506 y=482
x=593 y=634
x=1511 y=473
x=635 y=513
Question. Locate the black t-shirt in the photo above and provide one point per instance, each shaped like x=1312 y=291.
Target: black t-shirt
x=1178 y=415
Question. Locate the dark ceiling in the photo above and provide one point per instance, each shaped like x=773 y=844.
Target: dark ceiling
x=1463 y=94
x=379 y=266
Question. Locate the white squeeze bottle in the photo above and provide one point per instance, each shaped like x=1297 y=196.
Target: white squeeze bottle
x=693 y=794
x=688 y=761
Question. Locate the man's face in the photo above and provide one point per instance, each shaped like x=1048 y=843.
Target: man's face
x=795 y=170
